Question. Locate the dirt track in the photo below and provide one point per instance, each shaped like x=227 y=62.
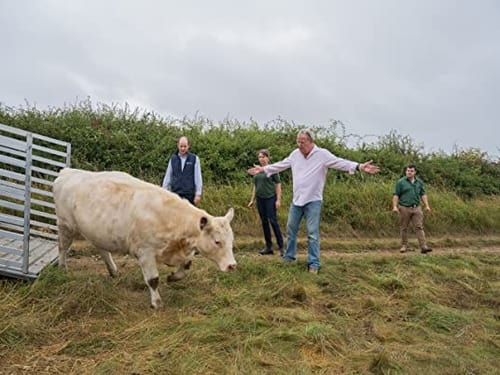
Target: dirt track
x=390 y=247
x=435 y=251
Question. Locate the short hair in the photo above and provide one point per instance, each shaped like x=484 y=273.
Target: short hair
x=412 y=166
x=309 y=133
x=264 y=152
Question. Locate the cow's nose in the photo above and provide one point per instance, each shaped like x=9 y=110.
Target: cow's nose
x=231 y=267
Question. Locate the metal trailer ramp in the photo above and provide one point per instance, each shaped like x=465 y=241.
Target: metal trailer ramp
x=29 y=163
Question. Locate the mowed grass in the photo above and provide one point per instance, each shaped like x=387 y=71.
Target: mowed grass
x=366 y=313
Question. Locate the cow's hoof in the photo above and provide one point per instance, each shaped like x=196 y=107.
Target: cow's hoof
x=156 y=304
x=174 y=276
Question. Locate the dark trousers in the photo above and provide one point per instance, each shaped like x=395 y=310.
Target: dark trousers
x=189 y=197
x=267 y=213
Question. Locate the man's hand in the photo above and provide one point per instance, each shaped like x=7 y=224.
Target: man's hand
x=255 y=170
x=197 y=200
x=367 y=167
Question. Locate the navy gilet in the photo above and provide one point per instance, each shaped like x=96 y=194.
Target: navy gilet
x=183 y=179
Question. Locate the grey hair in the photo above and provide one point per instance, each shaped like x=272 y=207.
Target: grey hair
x=309 y=133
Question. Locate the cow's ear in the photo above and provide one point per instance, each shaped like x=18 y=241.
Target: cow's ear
x=230 y=214
x=203 y=222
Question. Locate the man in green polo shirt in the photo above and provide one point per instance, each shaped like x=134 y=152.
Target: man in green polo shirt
x=408 y=193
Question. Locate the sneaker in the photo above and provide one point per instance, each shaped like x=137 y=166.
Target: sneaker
x=282 y=252
x=312 y=270
x=266 y=252
x=403 y=249
x=425 y=250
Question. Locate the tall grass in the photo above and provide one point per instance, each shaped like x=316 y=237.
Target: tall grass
x=367 y=314
x=363 y=209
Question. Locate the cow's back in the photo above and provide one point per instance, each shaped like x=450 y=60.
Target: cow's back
x=99 y=206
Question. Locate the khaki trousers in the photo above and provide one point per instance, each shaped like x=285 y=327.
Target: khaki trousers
x=414 y=216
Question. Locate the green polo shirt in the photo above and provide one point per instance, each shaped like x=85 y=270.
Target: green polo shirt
x=409 y=193
x=265 y=186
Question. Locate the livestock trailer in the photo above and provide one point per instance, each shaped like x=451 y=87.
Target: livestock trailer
x=29 y=163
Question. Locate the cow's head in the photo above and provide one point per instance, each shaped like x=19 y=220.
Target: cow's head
x=216 y=240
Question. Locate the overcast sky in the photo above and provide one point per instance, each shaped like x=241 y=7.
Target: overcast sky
x=429 y=69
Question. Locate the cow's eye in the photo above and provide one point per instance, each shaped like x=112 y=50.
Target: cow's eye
x=218 y=243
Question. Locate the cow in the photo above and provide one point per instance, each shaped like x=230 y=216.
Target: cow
x=121 y=214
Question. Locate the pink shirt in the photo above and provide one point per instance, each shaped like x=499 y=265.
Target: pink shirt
x=309 y=174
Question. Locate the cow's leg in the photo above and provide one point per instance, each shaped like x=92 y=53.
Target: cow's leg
x=180 y=273
x=110 y=264
x=64 y=239
x=150 y=273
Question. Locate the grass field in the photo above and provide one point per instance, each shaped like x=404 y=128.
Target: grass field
x=369 y=310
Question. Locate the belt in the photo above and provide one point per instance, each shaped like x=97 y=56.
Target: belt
x=411 y=206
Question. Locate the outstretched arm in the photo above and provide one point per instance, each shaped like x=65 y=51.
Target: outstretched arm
x=367 y=167
x=271 y=169
x=256 y=169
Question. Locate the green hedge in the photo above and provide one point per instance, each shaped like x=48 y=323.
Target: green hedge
x=139 y=142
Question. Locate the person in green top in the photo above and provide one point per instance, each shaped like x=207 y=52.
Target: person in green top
x=408 y=193
x=266 y=193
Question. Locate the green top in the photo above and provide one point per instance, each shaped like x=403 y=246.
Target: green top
x=265 y=186
x=409 y=193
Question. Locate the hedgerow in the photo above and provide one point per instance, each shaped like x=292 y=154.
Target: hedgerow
x=113 y=137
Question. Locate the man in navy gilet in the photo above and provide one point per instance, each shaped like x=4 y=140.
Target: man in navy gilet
x=183 y=175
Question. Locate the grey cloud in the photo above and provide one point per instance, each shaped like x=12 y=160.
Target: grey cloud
x=425 y=68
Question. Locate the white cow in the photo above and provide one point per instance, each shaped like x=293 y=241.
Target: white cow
x=118 y=213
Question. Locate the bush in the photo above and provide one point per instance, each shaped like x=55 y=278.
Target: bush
x=139 y=142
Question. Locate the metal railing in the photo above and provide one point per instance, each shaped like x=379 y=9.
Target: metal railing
x=29 y=163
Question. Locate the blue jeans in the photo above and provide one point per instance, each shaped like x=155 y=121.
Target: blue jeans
x=267 y=213
x=312 y=212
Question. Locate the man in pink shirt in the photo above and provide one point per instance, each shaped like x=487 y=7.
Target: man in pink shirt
x=309 y=164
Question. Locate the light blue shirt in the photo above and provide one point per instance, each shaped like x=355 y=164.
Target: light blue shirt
x=309 y=173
